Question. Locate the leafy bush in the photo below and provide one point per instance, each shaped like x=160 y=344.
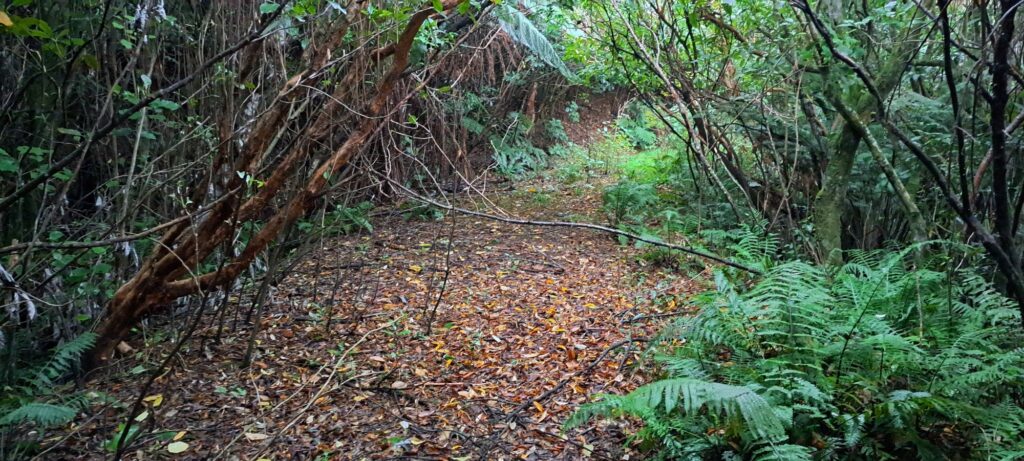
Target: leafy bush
x=514 y=152
x=653 y=165
x=347 y=220
x=342 y=220
x=629 y=201
x=638 y=124
x=556 y=130
x=872 y=362
x=665 y=258
x=607 y=153
x=572 y=111
x=639 y=135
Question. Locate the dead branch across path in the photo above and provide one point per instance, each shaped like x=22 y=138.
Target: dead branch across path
x=597 y=227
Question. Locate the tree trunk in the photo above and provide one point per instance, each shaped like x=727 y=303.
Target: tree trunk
x=160 y=279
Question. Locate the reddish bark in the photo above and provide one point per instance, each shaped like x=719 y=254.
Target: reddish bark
x=167 y=273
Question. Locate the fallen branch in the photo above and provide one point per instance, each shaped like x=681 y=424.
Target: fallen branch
x=596 y=227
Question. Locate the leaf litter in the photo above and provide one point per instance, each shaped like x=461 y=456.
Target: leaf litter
x=344 y=367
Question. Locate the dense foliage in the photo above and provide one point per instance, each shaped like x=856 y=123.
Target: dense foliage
x=868 y=361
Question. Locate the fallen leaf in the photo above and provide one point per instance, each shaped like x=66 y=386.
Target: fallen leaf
x=399 y=385
x=177 y=447
x=5 y=20
x=254 y=437
x=156 y=400
x=122 y=346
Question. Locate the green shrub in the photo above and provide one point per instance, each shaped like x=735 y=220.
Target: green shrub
x=653 y=165
x=874 y=361
x=342 y=220
x=638 y=133
x=514 y=152
x=572 y=111
x=556 y=131
x=608 y=152
x=629 y=201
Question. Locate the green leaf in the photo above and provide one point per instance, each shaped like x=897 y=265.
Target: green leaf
x=7 y=163
x=164 y=104
x=439 y=6
x=269 y=7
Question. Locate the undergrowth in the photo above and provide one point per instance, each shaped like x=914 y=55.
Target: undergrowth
x=36 y=397
x=873 y=360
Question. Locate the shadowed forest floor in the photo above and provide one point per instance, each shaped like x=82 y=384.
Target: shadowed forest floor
x=532 y=323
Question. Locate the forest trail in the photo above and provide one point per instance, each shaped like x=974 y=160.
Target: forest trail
x=346 y=230
x=532 y=323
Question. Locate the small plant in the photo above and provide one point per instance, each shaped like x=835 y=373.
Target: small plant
x=572 y=110
x=36 y=399
x=629 y=201
x=422 y=212
x=556 y=131
x=638 y=133
x=609 y=150
x=514 y=152
x=663 y=258
x=348 y=220
x=342 y=220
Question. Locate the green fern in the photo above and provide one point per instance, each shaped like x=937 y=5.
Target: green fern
x=42 y=414
x=36 y=400
x=64 y=359
x=871 y=360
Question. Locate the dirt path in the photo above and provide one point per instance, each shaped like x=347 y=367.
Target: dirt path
x=344 y=367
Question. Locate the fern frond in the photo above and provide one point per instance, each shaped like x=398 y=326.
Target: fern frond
x=689 y=396
x=783 y=452
x=42 y=414
x=521 y=29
